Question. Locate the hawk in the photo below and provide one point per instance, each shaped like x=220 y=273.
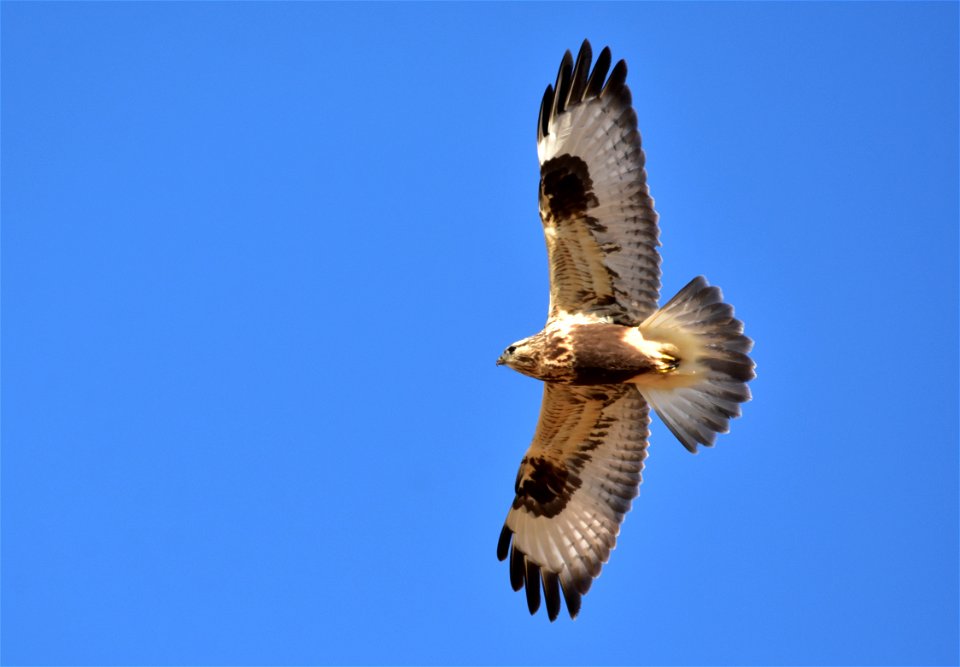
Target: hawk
x=607 y=353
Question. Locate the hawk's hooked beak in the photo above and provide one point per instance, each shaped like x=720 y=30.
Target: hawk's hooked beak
x=500 y=361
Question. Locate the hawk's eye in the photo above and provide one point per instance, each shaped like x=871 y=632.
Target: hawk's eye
x=511 y=349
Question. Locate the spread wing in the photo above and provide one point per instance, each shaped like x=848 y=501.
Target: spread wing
x=598 y=217
x=573 y=489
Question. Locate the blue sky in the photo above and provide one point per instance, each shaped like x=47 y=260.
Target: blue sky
x=258 y=261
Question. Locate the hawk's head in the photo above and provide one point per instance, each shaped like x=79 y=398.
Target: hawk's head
x=523 y=356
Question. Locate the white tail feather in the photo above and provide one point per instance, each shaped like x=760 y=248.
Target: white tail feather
x=697 y=399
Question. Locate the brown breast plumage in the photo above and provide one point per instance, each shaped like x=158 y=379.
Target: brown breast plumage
x=590 y=354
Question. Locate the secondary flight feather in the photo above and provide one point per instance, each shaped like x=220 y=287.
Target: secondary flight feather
x=607 y=353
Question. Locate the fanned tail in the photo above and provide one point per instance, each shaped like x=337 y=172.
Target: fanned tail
x=698 y=398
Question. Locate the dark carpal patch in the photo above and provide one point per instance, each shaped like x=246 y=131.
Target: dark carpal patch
x=543 y=481
x=566 y=189
x=544 y=487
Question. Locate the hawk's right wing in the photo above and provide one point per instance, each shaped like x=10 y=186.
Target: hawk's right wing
x=598 y=217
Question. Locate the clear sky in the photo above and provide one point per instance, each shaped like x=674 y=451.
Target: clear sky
x=258 y=261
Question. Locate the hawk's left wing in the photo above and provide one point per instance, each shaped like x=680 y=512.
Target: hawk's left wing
x=573 y=489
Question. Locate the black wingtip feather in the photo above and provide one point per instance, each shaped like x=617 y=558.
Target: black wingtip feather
x=533 y=587
x=595 y=84
x=516 y=568
x=572 y=598
x=543 y=123
x=617 y=83
x=503 y=545
x=581 y=70
x=551 y=592
x=563 y=84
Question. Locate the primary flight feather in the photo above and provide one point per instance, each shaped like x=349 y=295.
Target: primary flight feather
x=607 y=352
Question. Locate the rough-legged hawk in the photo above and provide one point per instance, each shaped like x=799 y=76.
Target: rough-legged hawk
x=607 y=352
